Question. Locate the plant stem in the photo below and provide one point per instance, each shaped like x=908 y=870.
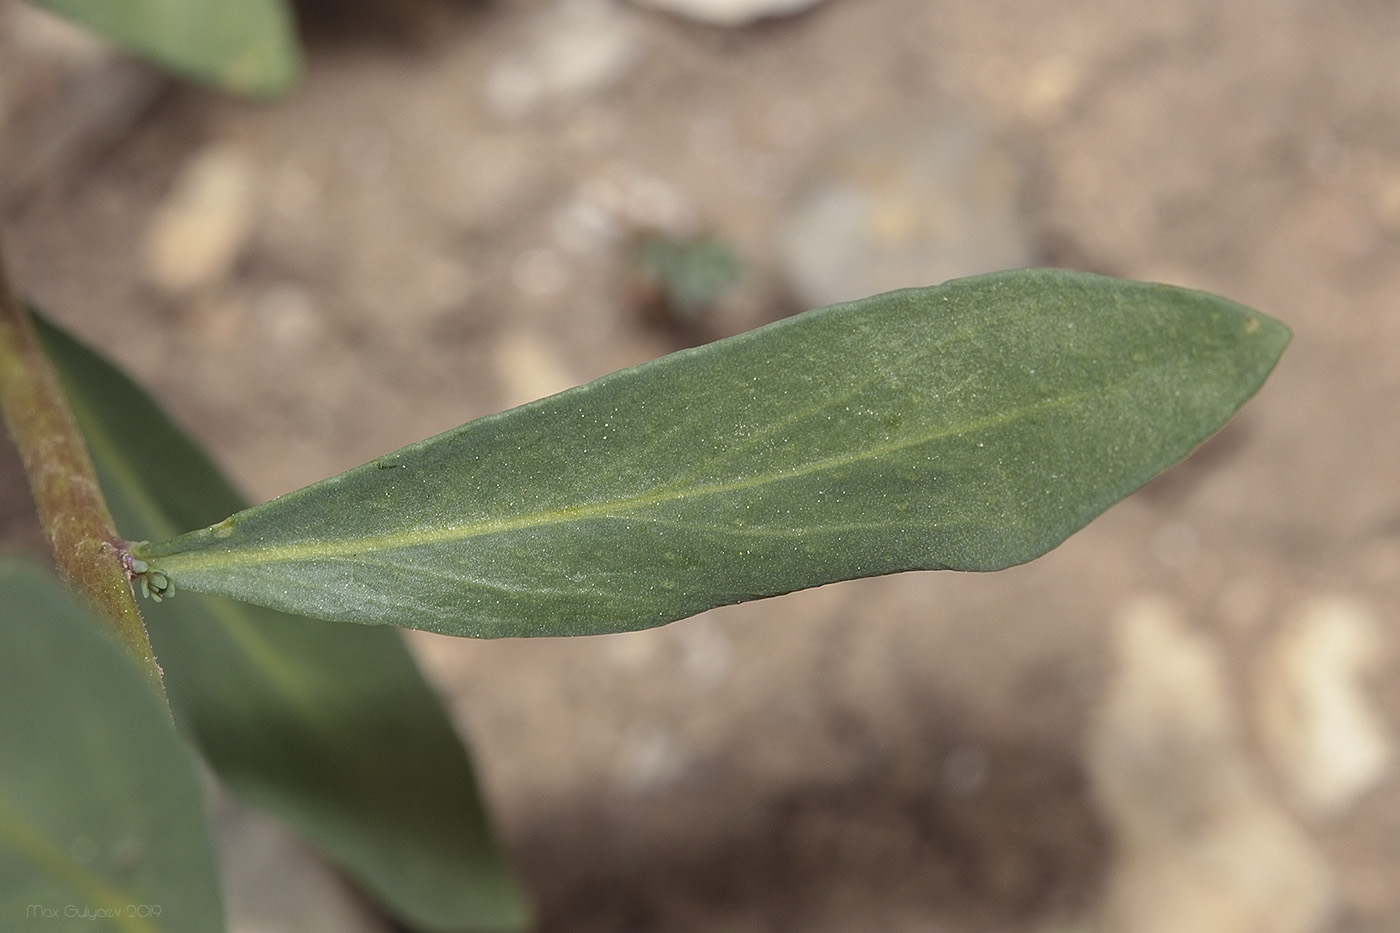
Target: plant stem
x=86 y=547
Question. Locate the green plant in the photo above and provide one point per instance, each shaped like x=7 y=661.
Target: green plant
x=971 y=426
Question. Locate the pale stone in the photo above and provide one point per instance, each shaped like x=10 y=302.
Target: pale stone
x=199 y=231
x=66 y=98
x=1198 y=843
x=528 y=370
x=1322 y=733
x=1388 y=200
x=729 y=12
x=1051 y=87
x=707 y=656
x=289 y=320
x=650 y=758
x=575 y=48
x=34 y=28
x=907 y=205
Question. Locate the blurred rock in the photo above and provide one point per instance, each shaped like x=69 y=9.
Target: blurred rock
x=617 y=202
x=201 y=228
x=575 y=48
x=916 y=205
x=289 y=321
x=729 y=12
x=528 y=370
x=31 y=28
x=1323 y=735
x=1199 y=846
x=65 y=97
x=650 y=759
x=707 y=653
x=1051 y=86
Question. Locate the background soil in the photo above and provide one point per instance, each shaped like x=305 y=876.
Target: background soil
x=434 y=226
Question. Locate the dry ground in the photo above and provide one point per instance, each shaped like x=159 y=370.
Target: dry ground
x=930 y=752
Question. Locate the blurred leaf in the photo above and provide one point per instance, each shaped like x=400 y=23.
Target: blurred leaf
x=970 y=426
x=331 y=728
x=101 y=810
x=244 y=46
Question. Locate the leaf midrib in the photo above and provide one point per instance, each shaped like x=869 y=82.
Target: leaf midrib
x=614 y=508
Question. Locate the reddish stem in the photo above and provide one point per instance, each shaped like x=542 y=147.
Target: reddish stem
x=86 y=547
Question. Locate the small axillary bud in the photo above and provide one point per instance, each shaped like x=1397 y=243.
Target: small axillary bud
x=154 y=584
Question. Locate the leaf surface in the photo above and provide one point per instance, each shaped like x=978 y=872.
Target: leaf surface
x=102 y=822
x=969 y=426
x=331 y=728
x=243 y=46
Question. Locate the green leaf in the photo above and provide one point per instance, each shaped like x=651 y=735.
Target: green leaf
x=244 y=46
x=970 y=426
x=101 y=810
x=331 y=728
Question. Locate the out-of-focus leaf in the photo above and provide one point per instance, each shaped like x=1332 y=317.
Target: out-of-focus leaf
x=243 y=46
x=331 y=728
x=970 y=426
x=102 y=821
